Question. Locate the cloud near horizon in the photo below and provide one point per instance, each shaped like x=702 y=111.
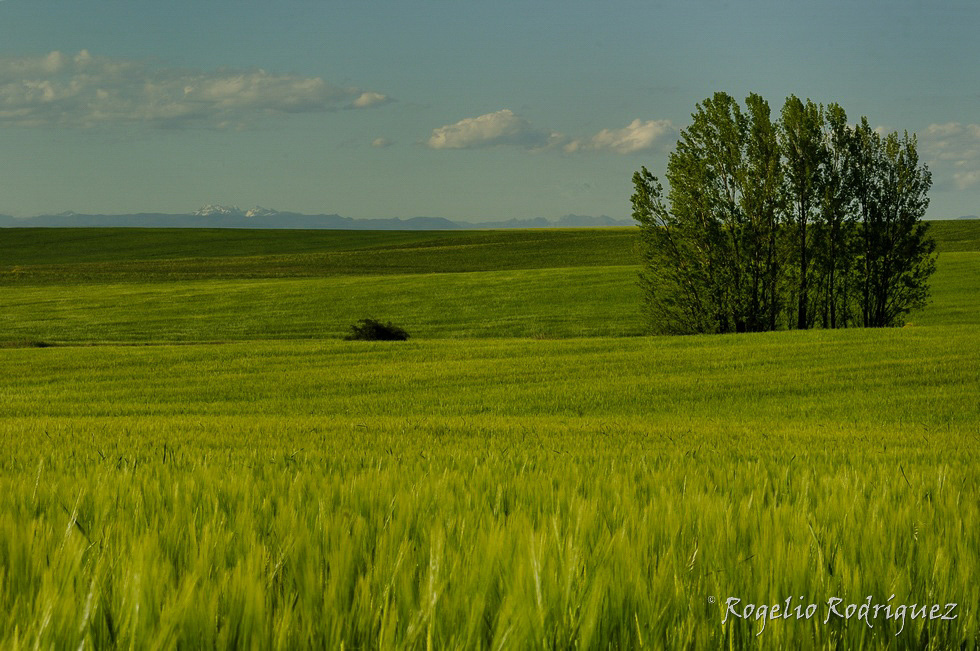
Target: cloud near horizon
x=955 y=145
x=85 y=91
x=636 y=136
x=369 y=99
x=504 y=127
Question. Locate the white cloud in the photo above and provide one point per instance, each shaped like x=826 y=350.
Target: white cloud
x=368 y=99
x=637 y=136
x=952 y=142
x=85 y=90
x=939 y=131
x=504 y=127
x=964 y=180
x=381 y=143
x=499 y=128
x=955 y=147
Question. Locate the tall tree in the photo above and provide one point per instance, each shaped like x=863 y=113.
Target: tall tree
x=897 y=256
x=802 y=144
x=834 y=248
x=865 y=165
x=674 y=276
x=804 y=221
x=763 y=209
x=705 y=194
x=712 y=263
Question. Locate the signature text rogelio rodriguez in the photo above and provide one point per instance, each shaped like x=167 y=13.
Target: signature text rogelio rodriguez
x=867 y=611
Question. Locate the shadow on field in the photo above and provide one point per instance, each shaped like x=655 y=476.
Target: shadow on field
x=22 y=343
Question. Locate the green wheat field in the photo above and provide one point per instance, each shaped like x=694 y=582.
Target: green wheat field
x=192 y=457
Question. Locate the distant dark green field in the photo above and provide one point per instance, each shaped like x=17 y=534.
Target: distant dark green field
x=39 y=255
x=198 y=460
x=133 y=285
x=73 y=256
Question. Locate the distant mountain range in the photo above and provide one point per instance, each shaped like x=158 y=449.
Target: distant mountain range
x=215 y=216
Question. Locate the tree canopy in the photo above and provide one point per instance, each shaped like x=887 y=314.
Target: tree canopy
x=795 y=222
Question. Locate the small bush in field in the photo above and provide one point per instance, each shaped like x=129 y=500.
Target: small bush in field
x=371 y=330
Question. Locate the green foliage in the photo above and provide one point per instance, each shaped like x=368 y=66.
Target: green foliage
x=672 y=278
x=713 y=258
x=802 y=145
x=807 y=219
x=835 y=241
x=895 y=253
x=372 y=330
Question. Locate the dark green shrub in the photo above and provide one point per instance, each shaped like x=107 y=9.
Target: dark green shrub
x=371 y=330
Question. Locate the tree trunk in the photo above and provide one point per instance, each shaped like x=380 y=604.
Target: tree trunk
x=802 y=322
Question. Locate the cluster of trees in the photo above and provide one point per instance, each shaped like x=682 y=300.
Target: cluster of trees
x=795 y=222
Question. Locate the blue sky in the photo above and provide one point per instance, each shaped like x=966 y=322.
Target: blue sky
x=470 y=111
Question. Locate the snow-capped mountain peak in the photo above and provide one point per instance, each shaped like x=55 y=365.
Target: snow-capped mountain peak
x=259 y=211
x=213 y=209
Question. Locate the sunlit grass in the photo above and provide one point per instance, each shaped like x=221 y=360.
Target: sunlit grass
x=520 y=474
x=549 y=303
x=487 y=493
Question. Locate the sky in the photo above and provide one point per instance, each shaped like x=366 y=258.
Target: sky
x=472 y=111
